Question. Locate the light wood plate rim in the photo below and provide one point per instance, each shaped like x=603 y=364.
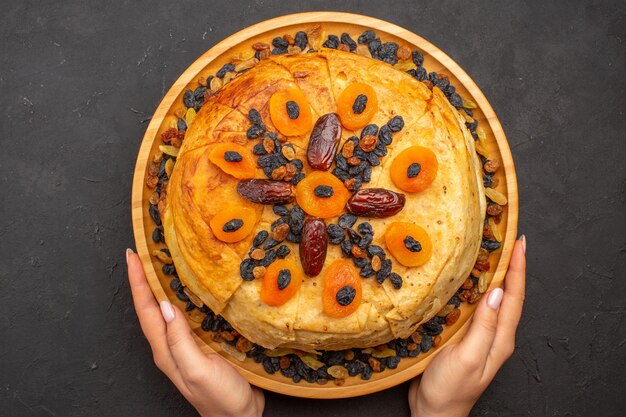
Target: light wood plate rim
x=388 y=378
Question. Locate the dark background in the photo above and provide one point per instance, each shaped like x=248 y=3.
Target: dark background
x=78 y=82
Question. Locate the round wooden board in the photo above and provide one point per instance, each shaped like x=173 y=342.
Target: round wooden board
x=336 y=23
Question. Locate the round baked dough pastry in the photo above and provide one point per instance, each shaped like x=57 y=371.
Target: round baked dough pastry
x=451 y=209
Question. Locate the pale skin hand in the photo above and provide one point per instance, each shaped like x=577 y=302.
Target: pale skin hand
x=459 y=374
x=208 y=382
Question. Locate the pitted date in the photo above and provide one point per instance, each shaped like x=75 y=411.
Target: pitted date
x=313 y=246
x=323 y=142
x=375 y=202
x=266 y=191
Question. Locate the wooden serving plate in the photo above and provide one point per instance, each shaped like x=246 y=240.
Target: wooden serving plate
x=336 y=23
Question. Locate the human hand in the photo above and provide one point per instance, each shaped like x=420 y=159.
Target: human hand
x=459 y=374
x=208 y=382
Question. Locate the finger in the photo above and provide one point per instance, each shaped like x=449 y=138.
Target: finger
x=512 y=304
x=186 y=353
x=475 y=347
x=149 y=314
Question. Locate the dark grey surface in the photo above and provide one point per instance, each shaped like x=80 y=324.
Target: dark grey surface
x=78 y=81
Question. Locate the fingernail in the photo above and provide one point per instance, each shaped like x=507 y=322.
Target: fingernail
x=167 y=311
x=129 y=251
x=495 y=298
x=523 y=239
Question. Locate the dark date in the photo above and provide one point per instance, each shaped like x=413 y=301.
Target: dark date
x=266 y=191
x=324 y=142
x=375 y=202
x=313 y=246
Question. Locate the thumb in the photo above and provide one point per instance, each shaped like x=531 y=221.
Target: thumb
x=477 y=342
x=185 y=352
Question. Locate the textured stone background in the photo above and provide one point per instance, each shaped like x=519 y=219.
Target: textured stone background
x=78 y=82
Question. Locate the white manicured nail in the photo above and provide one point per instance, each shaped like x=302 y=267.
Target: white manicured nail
x=167 y=310
x=495 y=298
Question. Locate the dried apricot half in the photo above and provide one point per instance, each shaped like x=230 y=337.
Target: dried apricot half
x=357 y=105
x=342 y=291
x=290 y=112
x=234 y=160
x=321 y=194
x=233 y=224
x=281 y=282
x=408 y=243
x=414 y=169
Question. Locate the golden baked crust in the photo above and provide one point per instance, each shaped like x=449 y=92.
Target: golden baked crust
x=451 y=209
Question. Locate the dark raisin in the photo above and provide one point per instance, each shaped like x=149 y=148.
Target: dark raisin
x=154 y=213
x=270 y=256
x=343 y=175
x=472 y=126
x=354 y=236
x=341 y=162
x=292 y=237
x=418 y=58
x=279 y=42
x=260 y=238
x=345 y=295
x=358 y=169
x=255 y=131
x=455 y=100
x=365 y=241
x=488 y=180
x=384 y=271
x=298 y=177
x=375 y=250
x=245 y=269
x=387 y=53
x=233 y=156
x=181 y=125
x=385 y=136
x=281 y=210
x=301 y=40
x=298 y=163
x=334 y=231
x=188 y=99
x=258 y=149
x=455 y=301
x=233 y=225
x=411 y=244
x=297 y=219
x=419 y=73
x=367 y=271
x=157 y=235
x=283 y=251
x=392 y=362
x=396 y=123
x=346 y=248
x=374 y=46
x=373 y=159
x=413 y=170
x=396 y=280
x=168 y=269
x=369 y=130
x=267 y=365
x=367 y=37
x=331 y=42
x=347 y=40
x=367 y=174
x=226 y=68
x=427 y=343
x=359 y=104
x=271 y=243
x=323 y=191
x=347 y=220
x=255 y=117
x=284 y=278
x=279 y=51
x=432 y=328
x=360 y=262
x=293 y=110
x=380 y=149
x=490 y=245
x=365 y=228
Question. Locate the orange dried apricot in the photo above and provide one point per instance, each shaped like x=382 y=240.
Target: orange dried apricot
x=414 y=169
x=408 y=243
x=281 y=282
x=234 y=160
x=290 y=112
x=233 y=224
x=342 y=291
x=357 y=105
x=321 y=194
